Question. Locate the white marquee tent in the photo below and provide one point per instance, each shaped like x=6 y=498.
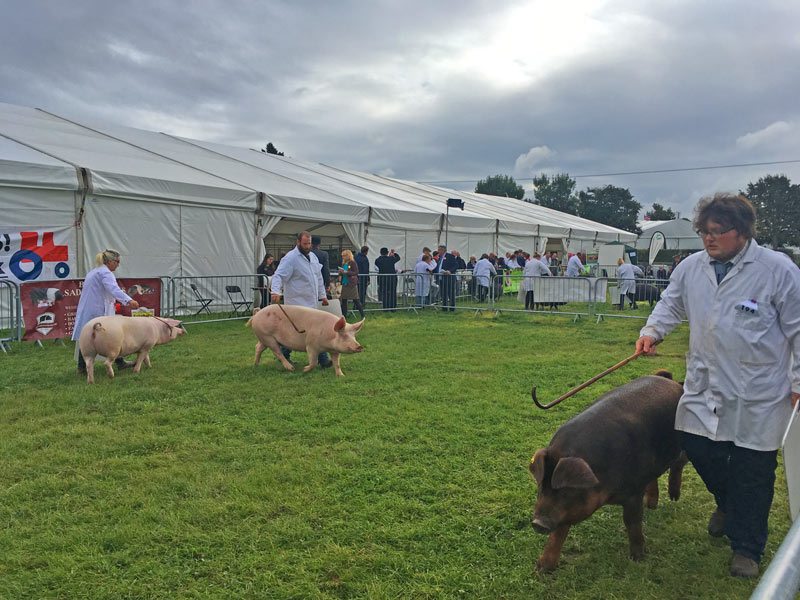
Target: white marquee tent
x=175 y=206
x=675 y=234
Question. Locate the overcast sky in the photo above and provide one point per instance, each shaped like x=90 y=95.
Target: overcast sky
x=436 y=90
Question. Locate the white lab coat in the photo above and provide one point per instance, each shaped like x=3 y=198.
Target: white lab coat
x=299 y=279
x=482 y=272
x=574 y=266
x=626 y=273
x=533 y=268
x=99 y=293
x=738 y=369
x=422 y=284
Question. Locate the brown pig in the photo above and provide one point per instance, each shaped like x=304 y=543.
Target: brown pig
x=611 y=453
x=304 y=329
x=116 y=335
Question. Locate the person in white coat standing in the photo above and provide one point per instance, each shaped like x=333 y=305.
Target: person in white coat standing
x=99 y=293
x=742 y=370
x=299 y=278
x=626 y=275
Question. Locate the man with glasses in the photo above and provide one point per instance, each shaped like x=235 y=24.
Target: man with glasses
x=742 y=303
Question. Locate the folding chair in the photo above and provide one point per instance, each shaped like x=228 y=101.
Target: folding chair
x=204 y=302
x=239 y=302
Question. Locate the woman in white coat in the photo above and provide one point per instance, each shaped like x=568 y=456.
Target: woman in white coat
x=626 y=276
x=99 y=293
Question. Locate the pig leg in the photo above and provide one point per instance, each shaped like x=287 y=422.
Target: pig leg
x=651 y=494
x=142 y=356
x=89 y=360
x=336 y=368
x=313 y=360
x=675 y=476
x=110 y=366
x=259 y=351
x=273 y=345
x=632 y=512
x=548 y=561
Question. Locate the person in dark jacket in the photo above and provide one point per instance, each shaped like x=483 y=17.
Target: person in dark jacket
x=322 y=256
x=446 y=268
x=363 y=274
x=387 y=278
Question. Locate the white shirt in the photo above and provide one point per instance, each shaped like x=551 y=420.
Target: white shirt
x=299 y=278
x=744 y=333
x=422 y=283
x=533 y=268
x=482 y=272
x=626 y=273
x=99 y=292
x=574 y=266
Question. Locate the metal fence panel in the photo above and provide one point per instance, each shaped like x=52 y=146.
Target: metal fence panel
x=10 y=313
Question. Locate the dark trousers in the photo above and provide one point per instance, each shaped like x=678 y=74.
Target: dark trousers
x=363 y=282
x=447 y=288
x=529 y=300
x=387 y=291
x=742 y=482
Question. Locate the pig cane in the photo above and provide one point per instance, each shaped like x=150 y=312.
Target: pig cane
x=586 y=384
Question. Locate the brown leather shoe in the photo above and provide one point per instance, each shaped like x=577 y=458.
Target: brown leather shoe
x=716 y=524
x=741 y=566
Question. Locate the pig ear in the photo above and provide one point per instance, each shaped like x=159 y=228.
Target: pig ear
x=536 y=466
x=357 y=326
x=573 y=472
x=340 y=324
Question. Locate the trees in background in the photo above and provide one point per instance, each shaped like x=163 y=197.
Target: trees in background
x=500 y=185
x=271 y=149
x=777 y=203
x=660 y=213
x=557 y=192
x=610 y=205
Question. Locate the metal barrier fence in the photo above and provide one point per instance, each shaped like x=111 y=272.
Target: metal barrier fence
x=781 y=580
x=211 y=298
x=10 y=313
x=613 y=305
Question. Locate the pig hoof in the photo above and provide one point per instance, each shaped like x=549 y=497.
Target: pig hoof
x=545 y=566
x=307 y=368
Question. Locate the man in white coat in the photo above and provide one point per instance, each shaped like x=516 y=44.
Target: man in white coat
x=626 y=275
x=533 y=268
x=482 y=273
x=299 y=278
x=574 y=266
x=741 y=301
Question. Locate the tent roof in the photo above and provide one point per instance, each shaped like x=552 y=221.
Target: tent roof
x=134 y=163
x=25 y=167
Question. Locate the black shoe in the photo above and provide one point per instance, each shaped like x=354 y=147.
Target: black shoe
x=325 y=365
x=741 y=566
x=121 y=364
x=81 y=369
x=716 y=524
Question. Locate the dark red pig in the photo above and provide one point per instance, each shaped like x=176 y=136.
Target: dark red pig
x=611 y=453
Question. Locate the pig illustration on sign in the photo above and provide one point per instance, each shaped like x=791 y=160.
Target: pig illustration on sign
x=611 y=453
x=306 y=330
x=116 y=335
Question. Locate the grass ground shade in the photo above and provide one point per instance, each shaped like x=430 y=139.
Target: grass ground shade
x=206 y=477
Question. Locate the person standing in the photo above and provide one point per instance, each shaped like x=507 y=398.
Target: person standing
x=265 y=270
x=322 y=257
x=422 y=279
x=99 y=293
x=387 y=278
x=299 y=279
x=533 y=268
x=482 y=273
x=363 y=274
x=349 y=274
x=626 y=275
x=742 y=370
x=574 y=266
x=446 y=268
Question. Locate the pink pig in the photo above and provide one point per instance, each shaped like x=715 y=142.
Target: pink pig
x=304 y=329
x=116 y=335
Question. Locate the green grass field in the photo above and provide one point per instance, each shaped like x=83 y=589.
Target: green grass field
x=205 y=477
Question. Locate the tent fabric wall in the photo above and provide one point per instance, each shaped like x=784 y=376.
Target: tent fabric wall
x=189 y=207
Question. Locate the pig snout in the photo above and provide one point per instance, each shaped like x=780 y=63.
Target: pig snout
x=542 y=524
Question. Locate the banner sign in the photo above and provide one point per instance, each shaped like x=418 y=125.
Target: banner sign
x=35 y=255
x=49 y=307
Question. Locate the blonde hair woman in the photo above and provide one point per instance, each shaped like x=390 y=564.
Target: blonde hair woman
x=349 y=274
x=99 y=293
